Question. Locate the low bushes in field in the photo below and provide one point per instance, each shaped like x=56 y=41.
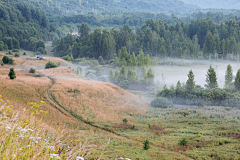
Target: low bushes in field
x=161 y=102
x=50 y=65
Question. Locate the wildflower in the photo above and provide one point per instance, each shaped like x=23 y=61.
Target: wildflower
x=36 y=141
x=121 y=158
x=28 y=146
x=43 y=102
x=2 y=141
x=38 y=138
x=14 y=155
x=20 y=149
x=54 y=156
x=8 y=128
x=127 y=159
x=79 y=158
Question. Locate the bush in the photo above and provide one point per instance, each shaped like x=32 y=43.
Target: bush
x=10 y=61
x=38 y=53
x=5 y=59
x=15 y=50
x=16 y=55
x=41 y=50
x=9 y=53
x=146 y=145
x=92 y=76
x=125 y=120
x=161 y=102
x=24 y=54
x=101 y=60
x=2 y=63
x=90 y=72
x=50 y=65
x=12 y=74
x=183 y=142
x=32 y=70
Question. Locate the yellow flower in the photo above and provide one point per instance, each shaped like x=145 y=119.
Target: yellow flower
x=43 y=102
x=0 y=96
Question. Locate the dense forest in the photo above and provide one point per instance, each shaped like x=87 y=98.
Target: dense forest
x=24 y=26
x=202 y=38
x=64 y=7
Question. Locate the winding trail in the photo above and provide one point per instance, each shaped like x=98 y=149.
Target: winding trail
x=50 y=98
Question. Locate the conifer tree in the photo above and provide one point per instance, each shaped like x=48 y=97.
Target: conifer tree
x=178 y=86
x=149 y=76
x=12 y=74
x=122 y=75
x=211 y=78
x=190 y=84
x=237 y=80
x=228 y=76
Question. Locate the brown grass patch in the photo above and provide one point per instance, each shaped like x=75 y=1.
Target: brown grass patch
x=97 y=100
x=221 y=128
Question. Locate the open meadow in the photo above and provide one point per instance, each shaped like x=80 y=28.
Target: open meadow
x=99 y=111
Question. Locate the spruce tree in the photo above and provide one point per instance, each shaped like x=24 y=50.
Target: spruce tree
x=149 y=77
x=12 y=74
x=228 y=76
x=190 y=84
x=178 y=86
x=237 y=80
x=211 y=78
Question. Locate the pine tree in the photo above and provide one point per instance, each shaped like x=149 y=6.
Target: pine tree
x=237 y=80
x=149 y=76
x=12 y=74
x=228 y=76
x=190 y=84
x=122 y=75
x=211 y=78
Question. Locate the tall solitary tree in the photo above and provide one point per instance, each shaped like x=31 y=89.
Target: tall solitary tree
x=228 y=76
x=211 y=79
x=12 y=74
x=190 y=84
x=237 y=80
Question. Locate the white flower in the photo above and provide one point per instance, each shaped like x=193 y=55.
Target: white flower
x=54 y=156
x=79 y=158
x=28 y=146
x=121 y=158
x=127 y=158
x=36 y=141
x=8 y=128
x=51 y=148
x=14 y=155
x=38 y=138
x=20 y=149
x=23 y=130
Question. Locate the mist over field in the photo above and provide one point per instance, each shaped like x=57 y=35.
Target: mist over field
x=120 y=79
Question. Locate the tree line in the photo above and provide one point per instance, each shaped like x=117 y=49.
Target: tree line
x=202 y=38
x=191 y=94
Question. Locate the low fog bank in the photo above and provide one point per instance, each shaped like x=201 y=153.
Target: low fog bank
x=171 y=74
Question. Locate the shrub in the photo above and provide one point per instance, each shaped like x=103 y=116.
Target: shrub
x=101 y=60
x=24 y=54
x=101 y=78
x=5 y=59
x=41 y=50
x=183 y=142
x=10 y=61
x=92 y=76
x=16 y=55
x=38 y=53
x=90 y=72
x=50 y=65
x=2 y=63
x=12 y=74
x=161 y=102
x=32 y=70
x=125 y=120
x=15 y=50
x=9 y=53
x=146 y=145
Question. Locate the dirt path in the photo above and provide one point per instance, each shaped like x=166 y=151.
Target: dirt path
x=50 y=98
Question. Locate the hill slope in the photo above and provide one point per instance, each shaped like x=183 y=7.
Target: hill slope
x=64 y=7
x=230 y=4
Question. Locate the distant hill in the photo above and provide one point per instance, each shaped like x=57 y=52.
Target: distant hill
x=70 y=7
x=225 y=4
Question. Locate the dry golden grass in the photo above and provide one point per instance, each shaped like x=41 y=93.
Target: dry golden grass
x=105 y=100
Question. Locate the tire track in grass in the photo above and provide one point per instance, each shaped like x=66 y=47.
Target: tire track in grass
x=68 y=112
